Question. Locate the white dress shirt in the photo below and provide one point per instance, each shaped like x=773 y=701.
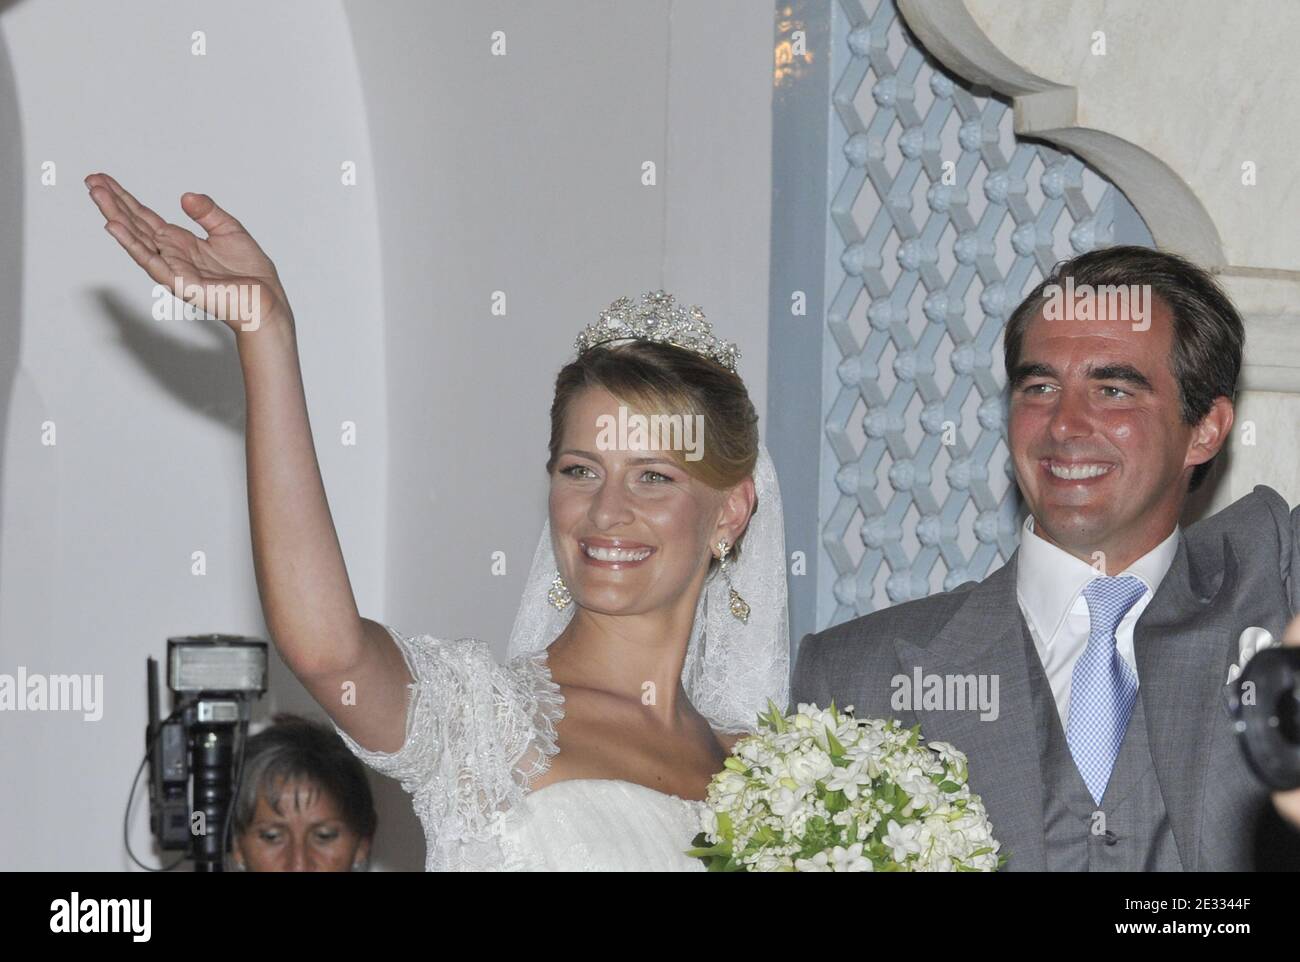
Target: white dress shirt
x=1049 y=588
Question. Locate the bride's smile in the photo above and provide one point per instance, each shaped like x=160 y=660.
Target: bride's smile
x=614 y=552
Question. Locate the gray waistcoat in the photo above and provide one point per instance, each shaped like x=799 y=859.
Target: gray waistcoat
x=1129 y=831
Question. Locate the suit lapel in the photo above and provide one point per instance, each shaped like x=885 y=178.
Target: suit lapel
x=1181 y=651
x=985 y=636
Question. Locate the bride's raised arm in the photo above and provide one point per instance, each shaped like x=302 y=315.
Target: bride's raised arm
x=302 y=580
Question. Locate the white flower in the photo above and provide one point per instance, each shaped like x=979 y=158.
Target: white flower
x=949 y=755
x=847 y=780
x=709 y=821
x=869 y=823
x=905 y=840
x=770 y=862
x=786 y=801
x=974 y=829
x=808 y=767
x=755 y=752
x=729 y=784
x=925 y=793
x=940 y=839
x=936 y=863
x=851 y=859
x=868 y=740
x=818 y=863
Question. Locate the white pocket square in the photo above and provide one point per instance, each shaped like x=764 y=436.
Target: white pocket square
x=1251 y=641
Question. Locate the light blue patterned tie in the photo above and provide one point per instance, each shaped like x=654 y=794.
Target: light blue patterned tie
x=1103 y=688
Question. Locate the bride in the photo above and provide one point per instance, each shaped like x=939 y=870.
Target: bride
x=652 y=629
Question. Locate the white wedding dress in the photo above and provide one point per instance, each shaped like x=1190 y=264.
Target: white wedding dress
x=477 y=733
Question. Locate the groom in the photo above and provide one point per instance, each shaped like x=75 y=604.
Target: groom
x=1108 y=636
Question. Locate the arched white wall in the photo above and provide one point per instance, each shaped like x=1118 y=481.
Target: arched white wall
x=97 y=531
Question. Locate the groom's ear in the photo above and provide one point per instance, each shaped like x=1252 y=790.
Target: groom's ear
x=737 y=506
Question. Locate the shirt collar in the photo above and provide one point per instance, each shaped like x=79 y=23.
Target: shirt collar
x=1049 y=579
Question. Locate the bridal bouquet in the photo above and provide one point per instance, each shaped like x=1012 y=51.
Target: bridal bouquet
x=821 y=791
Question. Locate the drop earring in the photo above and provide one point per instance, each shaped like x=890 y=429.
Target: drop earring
x=559 y=595
x=739 y=607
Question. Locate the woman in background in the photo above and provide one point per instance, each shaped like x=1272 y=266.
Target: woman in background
x=304 y=803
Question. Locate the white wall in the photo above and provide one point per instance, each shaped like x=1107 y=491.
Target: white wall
x=477 y=173
x=97 y=531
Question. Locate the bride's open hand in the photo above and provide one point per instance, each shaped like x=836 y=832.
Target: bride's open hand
x=214 y=273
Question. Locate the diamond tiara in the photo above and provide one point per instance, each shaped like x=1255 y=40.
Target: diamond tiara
x=658 y=318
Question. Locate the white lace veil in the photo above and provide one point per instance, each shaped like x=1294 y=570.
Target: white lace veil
x=732 y=668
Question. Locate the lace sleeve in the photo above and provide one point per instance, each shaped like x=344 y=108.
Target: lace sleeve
x=476 y=732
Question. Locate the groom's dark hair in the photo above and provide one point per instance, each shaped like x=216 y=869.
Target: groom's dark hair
x=1208 y=336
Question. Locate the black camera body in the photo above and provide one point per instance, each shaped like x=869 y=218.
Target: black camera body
x=196 y=752
x=1265 y=707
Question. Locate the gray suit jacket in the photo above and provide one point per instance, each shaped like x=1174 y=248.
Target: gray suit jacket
x=1237 y=569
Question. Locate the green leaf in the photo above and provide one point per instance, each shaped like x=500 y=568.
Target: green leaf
x=725 y=828
x=776 y=715
x=836 y=749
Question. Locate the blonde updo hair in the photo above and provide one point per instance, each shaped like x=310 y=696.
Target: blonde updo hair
x=653 y=378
